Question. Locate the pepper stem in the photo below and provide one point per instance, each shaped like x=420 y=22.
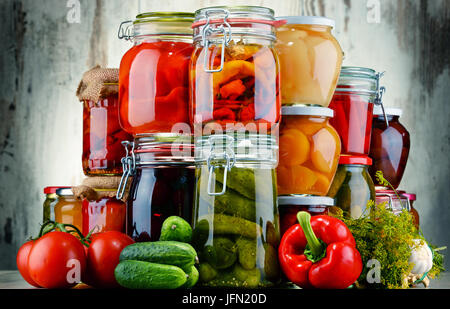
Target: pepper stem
x=314 y=244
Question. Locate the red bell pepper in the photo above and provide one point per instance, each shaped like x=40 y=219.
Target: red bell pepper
x=320 y=252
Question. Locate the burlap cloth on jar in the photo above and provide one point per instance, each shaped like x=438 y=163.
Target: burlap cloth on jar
x=98 y=83
x=95 y=188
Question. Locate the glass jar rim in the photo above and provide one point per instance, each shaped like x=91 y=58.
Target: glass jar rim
x=302 y=200
x=305 y=110
x=263 y=13
x=355 y=160
x=390 y=111
x=164 y=17
x=308 y=20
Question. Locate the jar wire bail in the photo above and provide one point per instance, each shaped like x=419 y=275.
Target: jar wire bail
x=228 y=155
x=129 y=168
x=125 y=30
x=380 y=93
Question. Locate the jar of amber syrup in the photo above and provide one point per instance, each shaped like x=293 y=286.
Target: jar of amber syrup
x=154 y=77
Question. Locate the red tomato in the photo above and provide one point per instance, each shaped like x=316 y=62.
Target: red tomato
x=103 y=257
x=57 y=260
x=22 y=262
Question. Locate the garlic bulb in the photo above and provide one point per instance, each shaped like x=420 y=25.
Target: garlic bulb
x=421 y=257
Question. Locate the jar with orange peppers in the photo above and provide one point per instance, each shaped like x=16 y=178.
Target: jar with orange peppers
x=309 y=151
x=153 y=78
x=234 y=71
x=310 y=60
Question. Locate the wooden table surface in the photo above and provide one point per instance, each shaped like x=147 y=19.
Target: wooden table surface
x=13 y=280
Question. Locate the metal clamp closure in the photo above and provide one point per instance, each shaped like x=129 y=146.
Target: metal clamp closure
x=379 y=98
x=230 y=160
x=125 y=30
x=224 y=29
x=129 y=168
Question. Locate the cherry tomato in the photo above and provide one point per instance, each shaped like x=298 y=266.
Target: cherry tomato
x=22 y=262
x=103 y=257
x=57 y=260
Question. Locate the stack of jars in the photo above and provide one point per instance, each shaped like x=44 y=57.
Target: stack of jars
x=310 y=60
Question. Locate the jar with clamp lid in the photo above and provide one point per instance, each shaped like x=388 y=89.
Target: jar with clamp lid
x=153 y=77
x=234 y=71
x=357 y=91
x=235 y=219
x=162 y=183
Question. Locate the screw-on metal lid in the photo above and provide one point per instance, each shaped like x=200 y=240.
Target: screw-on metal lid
x=303 y=110
x=308 y=200
x=64 y=192
x=308 y=20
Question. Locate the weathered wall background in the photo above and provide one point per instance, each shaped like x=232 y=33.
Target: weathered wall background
x=43 y=57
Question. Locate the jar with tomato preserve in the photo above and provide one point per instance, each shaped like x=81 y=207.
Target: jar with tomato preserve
x=234 y=70
x=309 y=151
x=235 y=219
x=162 y=185
x=416 y=218
x=290 y=205
x=68 y=209
x=390 y=145
x=50 y=199
x=353 y=187
x=102 y=134
x=153 y=80
x=310 y=60
x=357 y=91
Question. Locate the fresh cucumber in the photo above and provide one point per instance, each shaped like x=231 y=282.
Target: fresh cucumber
x=162 y=252
x=192 y=278
x=176 y=229
x=145 y=275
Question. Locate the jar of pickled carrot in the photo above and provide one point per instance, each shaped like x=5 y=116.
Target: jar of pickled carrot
x=153 y=80
x=68 y=209
x=309 y=151
x=234 y=71
x=353 y=102
x=390 y=145
x=290 y=205
x=310 y=60
x=102 y=134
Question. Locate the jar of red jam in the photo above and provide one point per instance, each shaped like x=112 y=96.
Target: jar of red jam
x=162 y=185
x=390 y=145
x=353 y=101
x=234 y=71
x=153 y=81
x=102 y=134
x=290 y=205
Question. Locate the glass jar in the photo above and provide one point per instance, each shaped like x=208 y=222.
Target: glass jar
x=290 y=205
x=352 y=187
x=390 y=145
x=68 y=209
x=236 y=222
x=395 y=201
x=50 y=198
x=102 y=137
x=153 y=78
x=353 y=102
x=234 y=71
x=310 y=60
x=162 y=185
x=309 y=151
x=106 y=213
x=414 y=212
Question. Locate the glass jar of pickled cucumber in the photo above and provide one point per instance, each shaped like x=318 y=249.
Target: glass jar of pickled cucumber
x=235 y=219
x=68 y=209
x=309 y=151
x=353 y=187
x=310 y=60
x=162 y=184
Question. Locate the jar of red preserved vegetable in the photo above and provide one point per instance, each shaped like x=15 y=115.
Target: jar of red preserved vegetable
x=412 y=198
x=390 y=145
x=153 y=82
x=234 y=71
x=353 y=101
x=102 y=134
x=290 y=205
x=162 y=185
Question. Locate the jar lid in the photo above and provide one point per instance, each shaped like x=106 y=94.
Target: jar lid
x=64 y=192
x=164 y=17
x=51 y=190
x=308 y=20
x=354 y=160
x=392 y=193
x=309 y=200
x=304 y=110
x=410 y=196
x=390 y=111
